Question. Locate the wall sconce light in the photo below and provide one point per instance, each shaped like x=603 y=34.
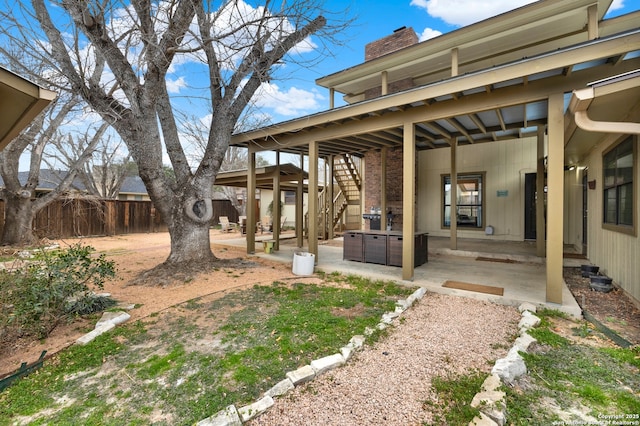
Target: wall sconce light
x=592 y=184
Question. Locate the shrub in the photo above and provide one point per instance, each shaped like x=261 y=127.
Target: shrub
x=42 y=294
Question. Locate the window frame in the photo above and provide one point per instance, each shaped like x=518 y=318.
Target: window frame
x=483 y=203
x=618 y=227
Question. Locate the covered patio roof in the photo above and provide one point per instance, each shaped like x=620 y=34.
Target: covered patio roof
x=487 y=104
x=289 y=177
x=459 y=107
x=20 y=102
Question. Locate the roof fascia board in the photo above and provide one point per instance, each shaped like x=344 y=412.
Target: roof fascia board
x=617 y=44
x=475 y=33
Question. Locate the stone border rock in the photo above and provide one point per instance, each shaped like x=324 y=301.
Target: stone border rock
x=232 y=416
x=107 y=322
x=490 y=400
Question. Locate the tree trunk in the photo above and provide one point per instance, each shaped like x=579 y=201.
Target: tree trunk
x=190 y=242
x=18 y=224
x=189 y=229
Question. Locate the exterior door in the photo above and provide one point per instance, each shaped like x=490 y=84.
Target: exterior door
x=530 y=206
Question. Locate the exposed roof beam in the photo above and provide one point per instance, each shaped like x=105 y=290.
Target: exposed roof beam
x=455 y=123
x=438 y=129
x=478 y=122
x=500 y=118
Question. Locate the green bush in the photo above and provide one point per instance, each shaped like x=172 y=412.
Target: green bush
x=52 y=289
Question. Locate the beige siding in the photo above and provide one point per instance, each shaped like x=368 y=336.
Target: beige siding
x=504 y=163
x=573 y=208
x=617 y=254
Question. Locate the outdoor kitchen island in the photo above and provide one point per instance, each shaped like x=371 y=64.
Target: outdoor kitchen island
x=382 y=247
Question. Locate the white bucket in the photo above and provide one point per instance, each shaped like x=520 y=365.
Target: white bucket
x=303 y=263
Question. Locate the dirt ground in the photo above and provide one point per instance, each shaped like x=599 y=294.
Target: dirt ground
x=140 y=252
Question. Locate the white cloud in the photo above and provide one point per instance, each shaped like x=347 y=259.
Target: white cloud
x=174 y=86
x=428 y=33
x=617 y=4
x=465 y=12
x=288 y=102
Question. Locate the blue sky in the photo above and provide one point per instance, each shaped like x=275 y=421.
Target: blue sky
x=298 y=95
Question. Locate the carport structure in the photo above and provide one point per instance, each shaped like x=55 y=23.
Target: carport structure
x=504 y=78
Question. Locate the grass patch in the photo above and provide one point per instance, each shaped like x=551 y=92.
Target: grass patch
x=576 y=381
x=452 y=397
x=182 y=366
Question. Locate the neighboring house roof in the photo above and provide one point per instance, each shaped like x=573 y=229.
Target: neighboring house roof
x=133 y=185
x=20 y=102
x=49 y=179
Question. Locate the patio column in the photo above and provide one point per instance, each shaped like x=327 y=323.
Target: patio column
x=251 y=202
x=555 y=198
x=276 y=213
x=331 y=196
x=408 y=199
x=383 y=189
x=299 y=219
x=540 y=222
x=453 y=214
x=313 y=198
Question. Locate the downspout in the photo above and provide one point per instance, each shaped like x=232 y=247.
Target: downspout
x=579 y=105
x=585 y=123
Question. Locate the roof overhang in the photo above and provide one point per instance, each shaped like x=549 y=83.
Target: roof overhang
x=20 y=102
x=607 y=107
x=542 y=26
x=502 y=102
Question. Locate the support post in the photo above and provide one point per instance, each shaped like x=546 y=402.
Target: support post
x=275 y=211
x=313 y=198
x=331 y=196
x=251 y=202
x=555 y=198
x=384 y=84
x=383 y=189
x=453 y=214
x=408 y=200
x=299 y=220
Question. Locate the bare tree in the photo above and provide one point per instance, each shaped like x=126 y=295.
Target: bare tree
x=235 y=158
x=136 y=44
x=104 y=172
x=21 y=205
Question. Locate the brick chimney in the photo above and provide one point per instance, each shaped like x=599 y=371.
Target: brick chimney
x=401 y=38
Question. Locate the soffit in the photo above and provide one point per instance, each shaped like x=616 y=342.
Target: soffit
x=20 y=102
x=530 y=30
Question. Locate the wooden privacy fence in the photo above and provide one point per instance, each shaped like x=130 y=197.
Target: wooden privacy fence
x=77 y=217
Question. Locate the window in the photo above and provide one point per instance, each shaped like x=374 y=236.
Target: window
x=469 y=201
x=618 y=168
x=289 y=197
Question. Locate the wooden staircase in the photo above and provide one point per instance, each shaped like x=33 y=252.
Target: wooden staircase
x=347 y=178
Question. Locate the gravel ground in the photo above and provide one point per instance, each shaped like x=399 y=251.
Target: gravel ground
x=387 y=384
